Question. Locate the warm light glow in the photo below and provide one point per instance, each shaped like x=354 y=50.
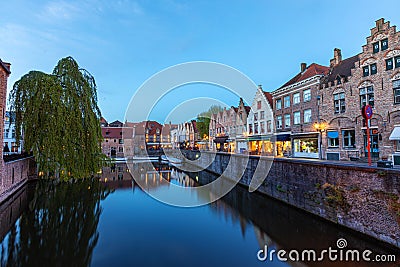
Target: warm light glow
x=320 y=127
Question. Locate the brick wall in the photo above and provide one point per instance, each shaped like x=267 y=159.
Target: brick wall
x=16 y=173
x=4 y=73
x=386 y=112
x=361 y=198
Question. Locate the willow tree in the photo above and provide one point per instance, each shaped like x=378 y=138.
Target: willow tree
x=59 y=116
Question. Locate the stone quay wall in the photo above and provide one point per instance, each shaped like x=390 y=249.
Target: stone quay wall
x=365 y=199
x=14 y=174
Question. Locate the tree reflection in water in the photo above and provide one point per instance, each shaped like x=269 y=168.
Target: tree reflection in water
x=60 y=227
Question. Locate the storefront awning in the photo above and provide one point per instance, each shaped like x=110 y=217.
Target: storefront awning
x=332 y=134
x=305 y=135
x=282 y=137
x=259 y=138
x=221 y=139
x=395 y=135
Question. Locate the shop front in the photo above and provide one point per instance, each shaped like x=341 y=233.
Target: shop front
x=221 y=143
x=231 y=145
x=241 y=145
x=261 y=145
x=283 y=145
x=305 y=145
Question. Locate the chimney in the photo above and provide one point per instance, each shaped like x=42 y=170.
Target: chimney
x=337 y=57
x=303 y=66
x=379 y=24
x=260 y=86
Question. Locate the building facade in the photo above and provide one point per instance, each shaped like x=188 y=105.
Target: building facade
x=228 y=129
x=260 y=124
x=241 y=127
x=296 y=110
x=374 y=80
x=187 y=135
x=10 y=142
x=4 y=74
x=117 y=140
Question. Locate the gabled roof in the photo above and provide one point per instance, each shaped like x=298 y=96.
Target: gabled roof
x=312 y=70
x=5 y=66
x=194 y=123
x=116 y=123
x=343 y=69
x=103 y=121
x=269 y=98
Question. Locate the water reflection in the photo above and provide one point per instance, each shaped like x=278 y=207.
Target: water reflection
x=59 y=228
x=76 y=224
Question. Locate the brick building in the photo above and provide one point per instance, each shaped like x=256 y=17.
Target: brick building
x=117 y=140
x=296 y=109
x=10 y=141
x=228 y=129
x=4 y=74
x=371 y=77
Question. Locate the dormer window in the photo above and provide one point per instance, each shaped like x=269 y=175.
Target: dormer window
x=338 y=80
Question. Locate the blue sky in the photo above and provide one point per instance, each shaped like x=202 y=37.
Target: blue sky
x=123 y=43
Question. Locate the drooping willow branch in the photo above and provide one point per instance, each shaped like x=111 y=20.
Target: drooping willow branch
x=59 y=116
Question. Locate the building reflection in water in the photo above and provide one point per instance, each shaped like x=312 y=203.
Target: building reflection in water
x=57 y=227
x=59 y=221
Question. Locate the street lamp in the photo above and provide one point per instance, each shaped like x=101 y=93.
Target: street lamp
x=320 y=127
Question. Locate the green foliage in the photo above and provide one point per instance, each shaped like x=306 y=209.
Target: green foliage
x=59 y=116
x=203 y=120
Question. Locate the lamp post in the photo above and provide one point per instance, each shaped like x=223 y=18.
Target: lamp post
x=320 y=127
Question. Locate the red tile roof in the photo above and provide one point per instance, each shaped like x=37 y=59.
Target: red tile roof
x=312 y=70
x=111 y=132
x=269 y=98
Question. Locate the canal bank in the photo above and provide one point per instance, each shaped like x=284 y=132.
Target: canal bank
x=364 y=199
x=14 y=175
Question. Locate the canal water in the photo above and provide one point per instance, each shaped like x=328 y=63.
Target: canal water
x=114 y=222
